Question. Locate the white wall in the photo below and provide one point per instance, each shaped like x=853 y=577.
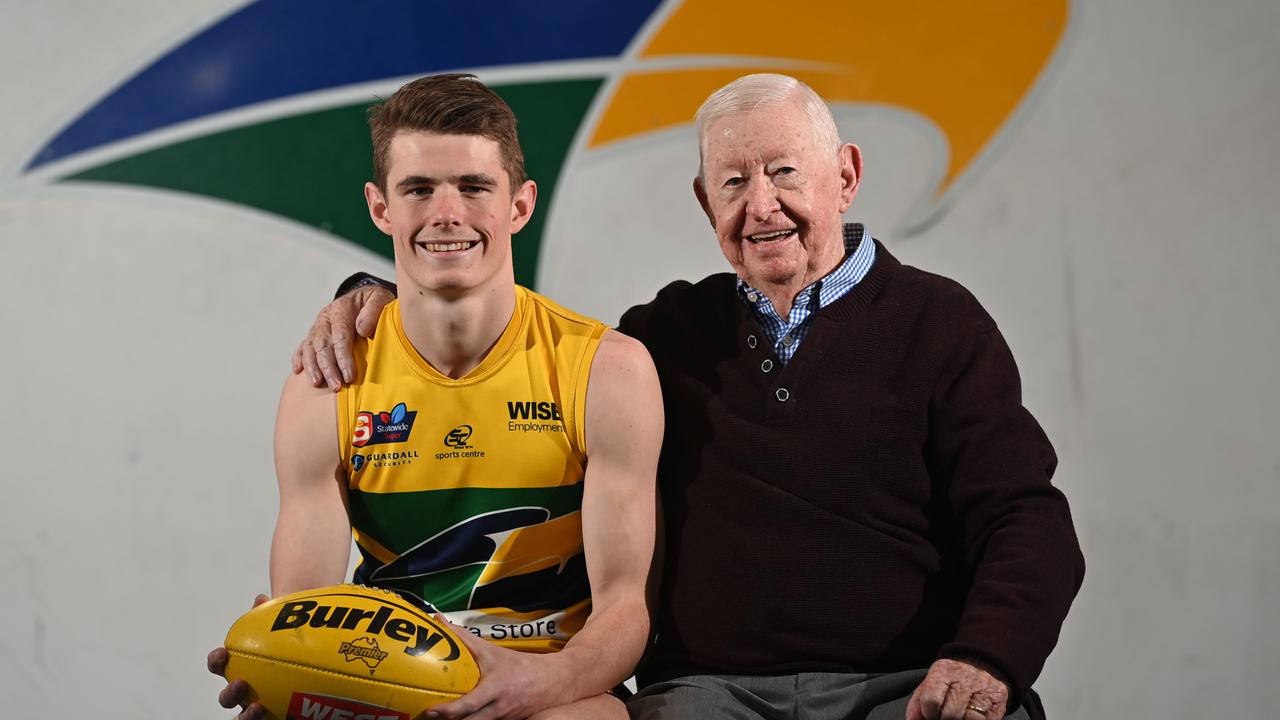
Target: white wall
x=1123 y=233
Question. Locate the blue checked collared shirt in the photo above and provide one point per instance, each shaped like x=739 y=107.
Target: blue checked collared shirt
x=786 y=333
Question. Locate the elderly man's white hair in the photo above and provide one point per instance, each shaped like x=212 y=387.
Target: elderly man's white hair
x=750 y=92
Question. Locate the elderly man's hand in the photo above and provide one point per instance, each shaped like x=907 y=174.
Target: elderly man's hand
x=955 y=690
x=325 y=353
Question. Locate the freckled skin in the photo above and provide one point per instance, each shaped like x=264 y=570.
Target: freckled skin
x=764 y=171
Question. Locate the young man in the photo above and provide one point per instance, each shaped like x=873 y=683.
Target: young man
x=481 y=457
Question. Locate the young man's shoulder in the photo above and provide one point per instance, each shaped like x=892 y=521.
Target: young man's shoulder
x=544 y=305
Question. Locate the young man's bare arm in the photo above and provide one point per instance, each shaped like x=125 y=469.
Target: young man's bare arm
x=619 y=512
x=312 y=541
x=624 y=422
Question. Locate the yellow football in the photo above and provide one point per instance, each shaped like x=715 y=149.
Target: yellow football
x=347 y=652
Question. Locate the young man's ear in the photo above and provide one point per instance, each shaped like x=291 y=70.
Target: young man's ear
x=523 y=201
x=377 y=207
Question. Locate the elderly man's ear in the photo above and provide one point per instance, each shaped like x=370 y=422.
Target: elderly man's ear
x=700 y=192
x=849 y=157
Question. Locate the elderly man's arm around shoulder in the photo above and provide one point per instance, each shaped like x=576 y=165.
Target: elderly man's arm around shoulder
x=624 y=421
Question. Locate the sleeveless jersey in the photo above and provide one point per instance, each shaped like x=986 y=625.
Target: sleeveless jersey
x=467 y=494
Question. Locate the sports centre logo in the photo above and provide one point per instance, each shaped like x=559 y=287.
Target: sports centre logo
x=457 y=438
x=458 y=442
x=265 y=107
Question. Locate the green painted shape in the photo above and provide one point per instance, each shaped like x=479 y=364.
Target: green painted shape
x=400 y=521
x=447 y=590
x=549 y=115
x=312 y=167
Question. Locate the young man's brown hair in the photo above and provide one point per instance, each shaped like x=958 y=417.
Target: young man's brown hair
x=448 y=104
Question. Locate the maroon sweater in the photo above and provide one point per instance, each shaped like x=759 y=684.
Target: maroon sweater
x=893 y=509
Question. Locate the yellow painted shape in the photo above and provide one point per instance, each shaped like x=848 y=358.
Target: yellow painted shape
x=575 y=616
x=963 y=65
x=373 y=547
x=536 y=547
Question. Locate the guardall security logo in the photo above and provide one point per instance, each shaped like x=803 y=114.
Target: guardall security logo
x=383 y=427
x=383 y=459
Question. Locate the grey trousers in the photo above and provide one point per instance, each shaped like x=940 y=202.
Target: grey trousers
x=807 y=696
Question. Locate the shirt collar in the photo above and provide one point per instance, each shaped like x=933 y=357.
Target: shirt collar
x=830 y=286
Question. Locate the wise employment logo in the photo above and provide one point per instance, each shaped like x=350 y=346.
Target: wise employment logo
x=378 y=428
x=268 y=102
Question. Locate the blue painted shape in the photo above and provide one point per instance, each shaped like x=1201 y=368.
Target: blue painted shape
x=467 y=543
x=272 y=49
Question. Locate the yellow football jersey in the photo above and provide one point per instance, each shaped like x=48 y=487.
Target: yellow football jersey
x=467 y=493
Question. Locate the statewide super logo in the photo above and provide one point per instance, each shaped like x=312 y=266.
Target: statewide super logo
x=380 y=428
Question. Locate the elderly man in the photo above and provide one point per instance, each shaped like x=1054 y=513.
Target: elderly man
x=859 y=517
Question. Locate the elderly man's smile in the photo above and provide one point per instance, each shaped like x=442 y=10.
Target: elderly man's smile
x=772 y=236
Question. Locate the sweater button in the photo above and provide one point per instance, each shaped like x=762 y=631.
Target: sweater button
x=751 y=341
x=767 y=365
x=782 y=394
